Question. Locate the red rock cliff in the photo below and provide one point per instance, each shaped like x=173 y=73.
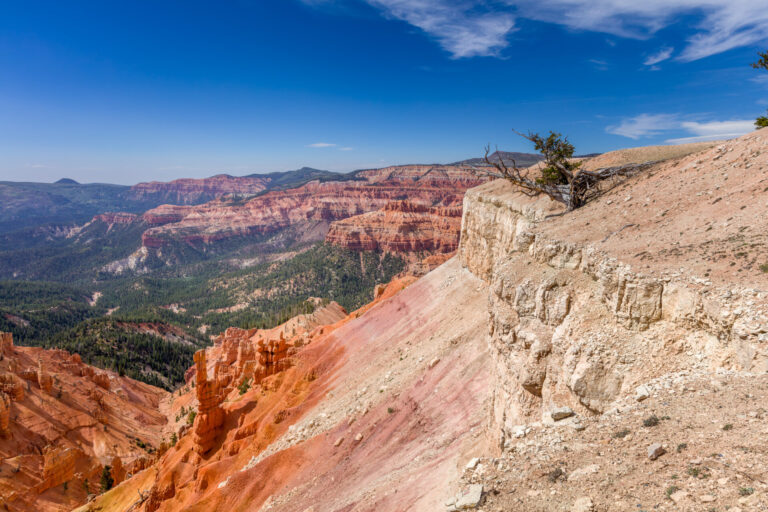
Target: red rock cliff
x=430 y=221
x=192 y=191
x=61 y=426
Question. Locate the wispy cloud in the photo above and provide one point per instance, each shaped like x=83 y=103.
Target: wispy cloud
x=345 y=149
x=599 y=64
x=321 y=145
x=659 y=56
x=714 y=130
x=35 y=166
x=720 y=24
x=471 y=28
x=644 y=125
x=650 y=125
x=461 y=27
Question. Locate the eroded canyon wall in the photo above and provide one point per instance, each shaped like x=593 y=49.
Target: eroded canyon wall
x=570 y=324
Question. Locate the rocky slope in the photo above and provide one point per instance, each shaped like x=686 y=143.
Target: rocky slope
x=62 y=421
x=584 y=362
x=589 y=308
x=313 y=431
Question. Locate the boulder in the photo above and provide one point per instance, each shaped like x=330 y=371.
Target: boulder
x=655 y=451
x=561 y=413
x=471 y=498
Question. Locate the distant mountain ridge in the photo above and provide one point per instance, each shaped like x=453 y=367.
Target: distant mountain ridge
x=508 y=157
x=27 y=205
x=66 y=203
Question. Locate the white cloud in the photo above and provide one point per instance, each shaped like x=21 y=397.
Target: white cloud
x=644 y=125
x=714 y=130
x=321 y=145
x=470 y=28
x=345 y=149
x=659 y=56
x=649 y=125
x=458 y=25
x=722 y=24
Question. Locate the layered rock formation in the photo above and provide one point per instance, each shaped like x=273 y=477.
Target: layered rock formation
x=551 y=339
x=58 y=429
x=572 y=323
x=210 y=415
x=354 y=415
x=5 y=415
x=6 y=343
x=421 y=213
x=400 y=227
x=195 y=191
x=111 y=218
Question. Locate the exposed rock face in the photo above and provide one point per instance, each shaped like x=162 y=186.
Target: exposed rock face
x=401 y=226
x=116 y=218
x=6 y=343
x=58 y=466
x=5 y=415
x=117 y=470
x=567 y=327
x=12 y=385
x=572 y=325
x=101 y=380
x=44 y=380
x=194 y=191
x=210 y=415
x=79 y=423
x=434 y=205
x=403 y=383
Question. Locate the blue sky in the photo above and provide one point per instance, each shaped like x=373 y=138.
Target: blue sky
x=129 y=91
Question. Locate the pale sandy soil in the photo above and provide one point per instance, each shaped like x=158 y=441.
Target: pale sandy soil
x=712 y=427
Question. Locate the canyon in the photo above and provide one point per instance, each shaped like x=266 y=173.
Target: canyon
x=501 y=378
x=190 y=191
x=62 y=422
x=583 y=361
x=321 y=202
x=410 y=210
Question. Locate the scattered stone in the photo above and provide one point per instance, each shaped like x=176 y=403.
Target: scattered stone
x=582 y=472
x=707 y=498
x=520 y=431
x=359 y=437
x=470 y=498
x=338 y=442
x=561 y=413
x=655 y=451
x=434 y=362
x=583 y=504
x=472 y=464
x=642 y=393
x=577 y=426
x=678 y=496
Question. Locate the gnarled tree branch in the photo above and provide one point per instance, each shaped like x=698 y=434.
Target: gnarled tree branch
x=560 y=180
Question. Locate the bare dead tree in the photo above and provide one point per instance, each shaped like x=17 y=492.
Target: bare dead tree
x=560 y=177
